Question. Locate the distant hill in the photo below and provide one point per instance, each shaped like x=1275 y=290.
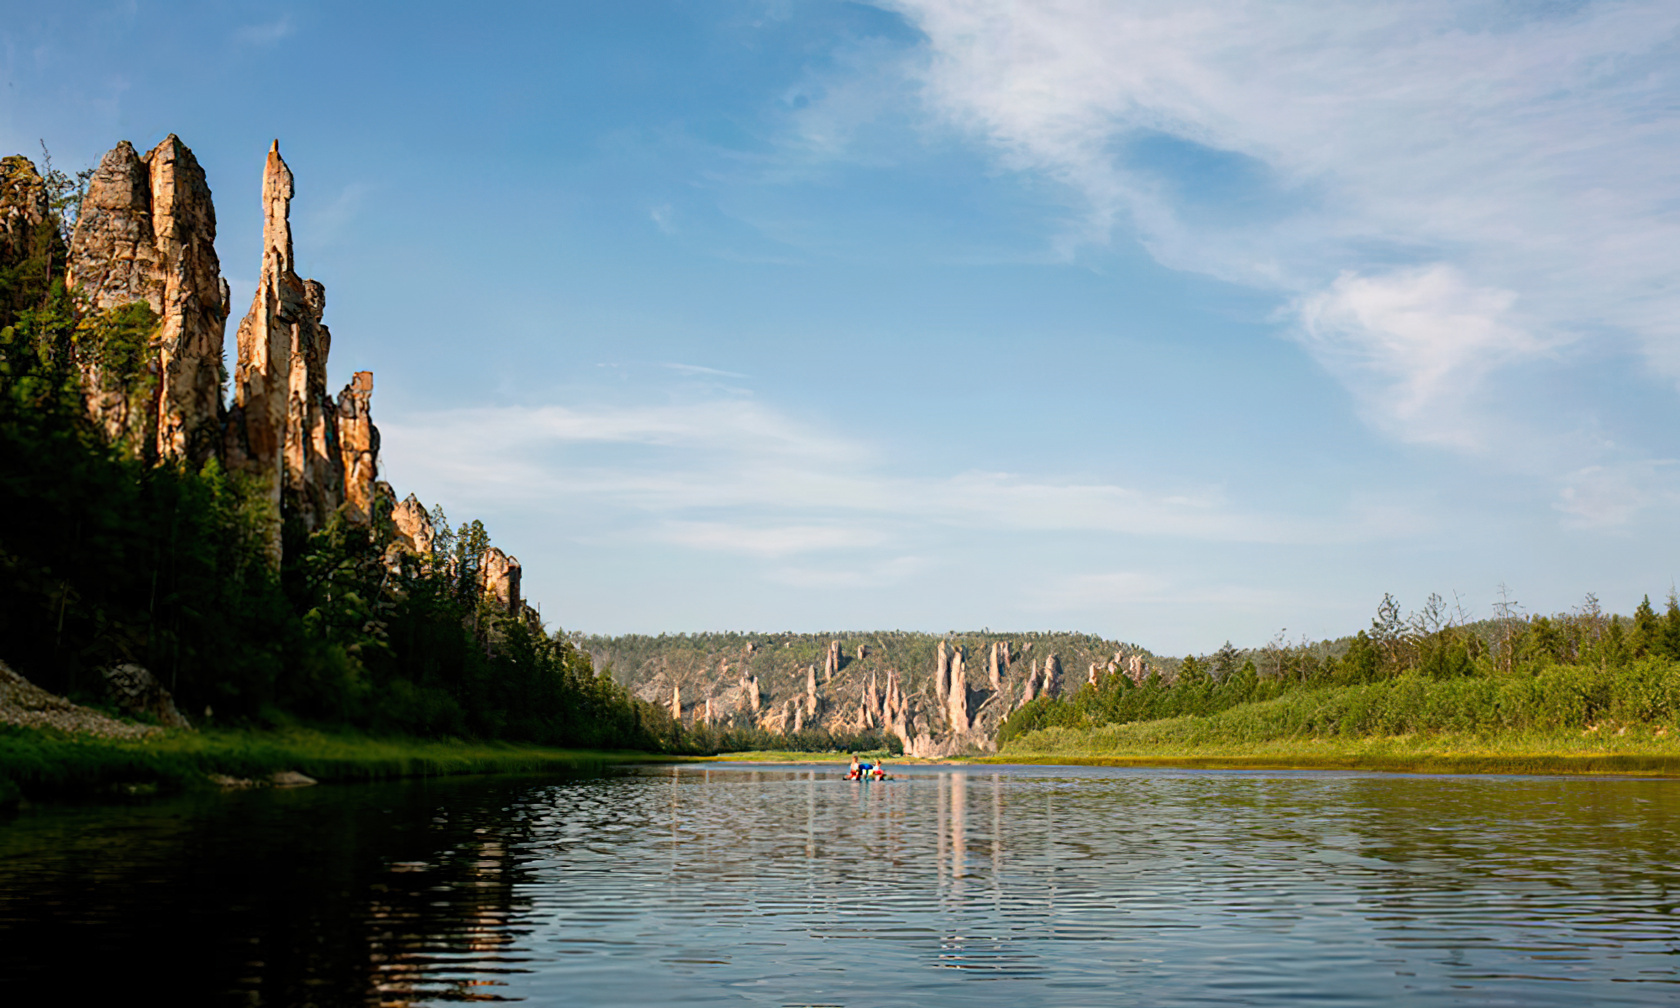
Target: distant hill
x=890 y=680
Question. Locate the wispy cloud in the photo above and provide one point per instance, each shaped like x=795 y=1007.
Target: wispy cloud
x=266 y=33
x=697 y=369
x=739 y=476
x=1439 y=189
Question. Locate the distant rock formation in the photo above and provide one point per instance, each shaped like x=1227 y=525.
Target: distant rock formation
x=676 y=703
x=414 y=525
x=147 y=233
x=499 y=574
x=942 y=675
x=831 y=664
x=1051 y=684
x=956 y=704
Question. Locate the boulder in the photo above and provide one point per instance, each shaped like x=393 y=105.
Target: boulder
x=137 y=692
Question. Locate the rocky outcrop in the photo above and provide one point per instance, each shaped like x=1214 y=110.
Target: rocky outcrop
x=147 y=233
x=27 y=705
x=1051 y=682
x=942 y=674
x=284 y=430
x=956 y=703
x=137 y=693
x=413 y=525
x=358 y=447
x=676 y=703
x=24 y=210
x=997 y=661
x=831 y=663
x=500 y=574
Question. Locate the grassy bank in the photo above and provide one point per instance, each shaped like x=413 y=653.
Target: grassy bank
x=1177 y=743
x=39 y=764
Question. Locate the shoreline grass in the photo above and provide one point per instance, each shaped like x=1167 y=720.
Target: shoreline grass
x=1641 y=751
x=38 y=764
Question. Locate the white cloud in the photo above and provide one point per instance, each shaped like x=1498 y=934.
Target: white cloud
x=736 y=475
x=1441 y=188
x=1608 y=496
x=1416 y=344
x=766 y=540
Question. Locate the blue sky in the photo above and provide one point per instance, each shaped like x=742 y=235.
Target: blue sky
x=1176 y=323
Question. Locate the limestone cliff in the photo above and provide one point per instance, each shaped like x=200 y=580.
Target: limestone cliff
x=147 y=233
x=284 y=430
x=24 y=209
x=913 y=686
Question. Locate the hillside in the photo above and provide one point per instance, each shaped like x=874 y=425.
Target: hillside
x=939 y=694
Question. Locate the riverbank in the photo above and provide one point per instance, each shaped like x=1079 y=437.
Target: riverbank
x=1638 y=751
x=38 y=764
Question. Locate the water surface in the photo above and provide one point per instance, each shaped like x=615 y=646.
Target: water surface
x=771 y=885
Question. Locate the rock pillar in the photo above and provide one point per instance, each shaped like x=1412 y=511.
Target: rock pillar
x=942 y=675
x=499 y=574
x=414 y=525
x=147 y=232
x=358 y=447
x=957 y=699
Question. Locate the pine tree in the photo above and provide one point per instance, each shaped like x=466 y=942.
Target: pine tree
x=1646 y=628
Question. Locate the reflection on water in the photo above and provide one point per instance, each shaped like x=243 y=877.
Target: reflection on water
x=747 y=885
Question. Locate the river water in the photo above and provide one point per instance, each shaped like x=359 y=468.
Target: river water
x=777 y=886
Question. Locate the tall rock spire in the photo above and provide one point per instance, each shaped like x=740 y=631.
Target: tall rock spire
x=287 y=429
x=147 y=232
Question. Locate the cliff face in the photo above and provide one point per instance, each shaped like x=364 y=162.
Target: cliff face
x=284 y=430
x=146 y=236
x=23 y=208
x=913 y=686
x=147 y=233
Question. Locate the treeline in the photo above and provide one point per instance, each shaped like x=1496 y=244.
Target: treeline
x=704 y=740
x=107 y=559
x=1432 y=670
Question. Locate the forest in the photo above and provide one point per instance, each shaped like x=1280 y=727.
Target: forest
x=1433 y=670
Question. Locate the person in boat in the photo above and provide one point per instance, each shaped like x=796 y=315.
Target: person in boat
x=856 y=770
x=878 y=771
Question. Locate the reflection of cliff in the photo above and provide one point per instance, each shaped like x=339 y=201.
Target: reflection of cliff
x=939 y=694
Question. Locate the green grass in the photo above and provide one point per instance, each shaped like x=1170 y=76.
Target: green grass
x=1183 y=742
x=40 y=764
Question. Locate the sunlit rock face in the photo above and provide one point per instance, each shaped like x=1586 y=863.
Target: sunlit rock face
x=500 y=575
x=358 y=446
x=413 y=525
x=23 y=208
x=147 y=233
x=309 y=453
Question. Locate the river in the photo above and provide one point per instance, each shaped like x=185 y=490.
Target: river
x=776 y=886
